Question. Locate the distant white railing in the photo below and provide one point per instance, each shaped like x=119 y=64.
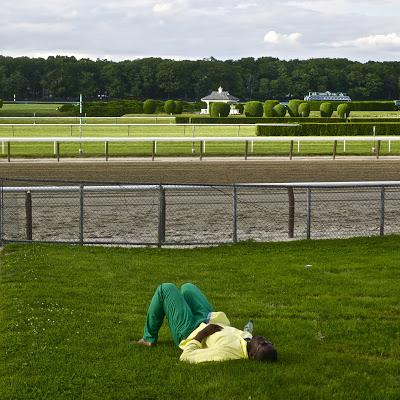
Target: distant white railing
x=246 y=140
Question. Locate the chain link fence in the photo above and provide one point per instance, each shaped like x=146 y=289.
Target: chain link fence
x=157 y=215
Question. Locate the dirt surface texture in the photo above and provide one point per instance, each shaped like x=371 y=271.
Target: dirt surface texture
x=211 y=171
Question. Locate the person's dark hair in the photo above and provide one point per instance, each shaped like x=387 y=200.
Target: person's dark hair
x=266 y=352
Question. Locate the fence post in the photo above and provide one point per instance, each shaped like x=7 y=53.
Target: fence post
x=308 y=213
x=378 y=149
x=246 y=149
x=58 y=151
x=106 y=150
x=334 y=149
x=153 y=151
x=28 y=214
x=8 y=152
x=291 y=150
x=382 y=212
x=201 y=149
x=234 y=214
x=161 y=217
x=81 y=215
x=291 y=212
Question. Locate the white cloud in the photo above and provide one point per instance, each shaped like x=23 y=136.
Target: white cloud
x=162 y=7
x=276 y=38
x=391 y=40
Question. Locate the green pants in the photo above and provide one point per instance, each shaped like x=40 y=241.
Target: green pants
x=185 y=308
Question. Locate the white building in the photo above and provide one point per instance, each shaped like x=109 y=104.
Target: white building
x=220 y=96
x=327 y=96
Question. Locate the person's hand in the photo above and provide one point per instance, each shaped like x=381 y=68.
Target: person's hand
x=207 y=331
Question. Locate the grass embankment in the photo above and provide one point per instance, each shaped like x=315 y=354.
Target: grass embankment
x=331 y=308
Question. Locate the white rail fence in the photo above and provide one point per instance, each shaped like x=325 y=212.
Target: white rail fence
x=375 y=141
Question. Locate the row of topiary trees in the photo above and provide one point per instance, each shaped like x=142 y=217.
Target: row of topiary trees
x=295 y=108
x=170 y=106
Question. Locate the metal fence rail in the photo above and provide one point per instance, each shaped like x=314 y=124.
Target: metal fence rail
x=158 y=215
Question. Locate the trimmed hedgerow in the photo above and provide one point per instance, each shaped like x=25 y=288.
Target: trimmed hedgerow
x=326 y=110
x=343 y=110
x=357 y=120
x=279 y=110
x=248 y=120
x=149 y=106
x=178 y=107
x=218 y=110
x=304 y=110
x=239 y=107
x=269 y=108
x=358 y=105
x=182 y=120
x=170 y=107
x=253 y=109
x=341 y=129
x=293 y=107
x=1 y=103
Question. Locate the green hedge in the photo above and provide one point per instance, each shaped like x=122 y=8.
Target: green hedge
x=328 y=130
x=219 y=110
x=149 y=106
x=304 y=110
x=178 y=107
x=170 y=106
x=279 y=110
x=269 y=108
x=343 y=110
x=182 y=120
x=293 y=107
x=326 y=110
x=254 y=109
x=358 y=120
x=262 y=120
x=358 y=105
x=1 y=103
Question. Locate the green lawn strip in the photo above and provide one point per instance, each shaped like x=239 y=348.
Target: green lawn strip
x=211 y=149
x=67 y=315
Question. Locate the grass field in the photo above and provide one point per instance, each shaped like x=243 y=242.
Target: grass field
x=30 y=109
x=68 y=314
x=164 y=128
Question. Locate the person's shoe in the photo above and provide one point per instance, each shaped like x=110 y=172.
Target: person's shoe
x=145 y=343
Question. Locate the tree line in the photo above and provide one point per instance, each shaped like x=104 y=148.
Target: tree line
x=65 y=78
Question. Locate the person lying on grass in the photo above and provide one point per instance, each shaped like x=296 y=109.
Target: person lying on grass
x=202 y=334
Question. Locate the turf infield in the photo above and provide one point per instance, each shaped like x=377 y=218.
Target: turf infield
x=68 y=314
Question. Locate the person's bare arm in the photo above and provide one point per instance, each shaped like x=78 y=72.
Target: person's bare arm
x=207 y=331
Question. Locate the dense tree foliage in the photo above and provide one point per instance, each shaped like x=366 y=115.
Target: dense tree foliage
x=248 y=78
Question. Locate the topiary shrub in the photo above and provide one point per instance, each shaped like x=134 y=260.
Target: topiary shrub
x=253 y=109
x=279 y=110
x=170 y=106
x=219 y=110
x=1 y=103
x=343 y=110
x=269 y=108
x=149 y=106
x=326 y=110
x=239 y=107
x=293 y=107
x=178 y=107
x=304 y=110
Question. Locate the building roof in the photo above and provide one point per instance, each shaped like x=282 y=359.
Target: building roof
x=327 y=96
x=220 y=95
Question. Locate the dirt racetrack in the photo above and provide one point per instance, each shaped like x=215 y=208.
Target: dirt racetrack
x=209 y=171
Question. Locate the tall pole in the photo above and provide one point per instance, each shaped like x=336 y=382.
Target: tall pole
x=80 y=124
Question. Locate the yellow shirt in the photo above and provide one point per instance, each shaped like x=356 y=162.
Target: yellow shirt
x=227 y=344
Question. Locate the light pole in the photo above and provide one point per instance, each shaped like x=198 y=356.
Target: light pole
x=80 y=125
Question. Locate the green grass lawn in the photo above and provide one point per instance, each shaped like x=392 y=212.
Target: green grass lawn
x=29 y=110
x=68 y=314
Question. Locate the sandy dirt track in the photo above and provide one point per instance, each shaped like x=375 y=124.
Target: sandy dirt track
x=211 y=171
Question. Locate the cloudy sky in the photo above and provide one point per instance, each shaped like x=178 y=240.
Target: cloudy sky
x=193 y=29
